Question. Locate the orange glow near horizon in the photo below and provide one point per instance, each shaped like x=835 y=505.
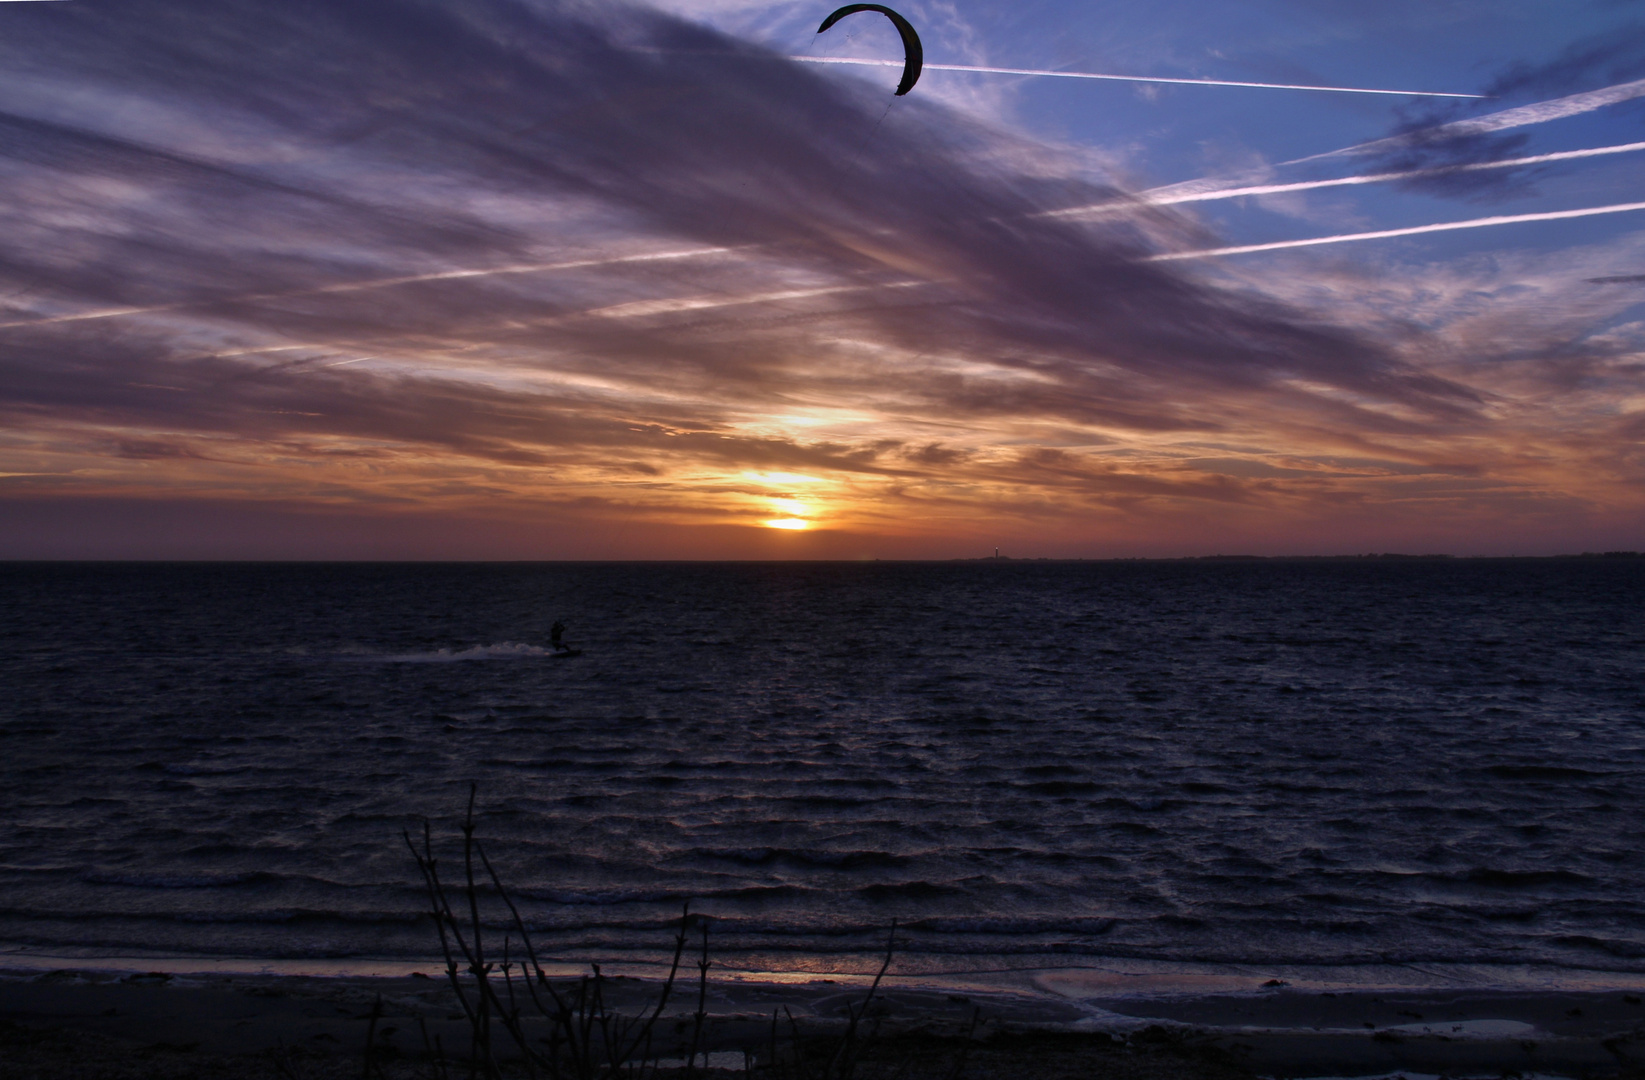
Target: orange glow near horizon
x=339 y=349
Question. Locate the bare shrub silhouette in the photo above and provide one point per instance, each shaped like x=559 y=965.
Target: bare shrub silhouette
x=575 y=1032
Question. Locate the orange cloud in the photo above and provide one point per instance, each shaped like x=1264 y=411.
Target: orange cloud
x=600 y=292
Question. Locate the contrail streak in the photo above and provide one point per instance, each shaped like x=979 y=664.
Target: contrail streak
x=1131 y=78
x=1447 y=226
x=641 y=308
x=1539 y=112
x=1377 y=178
x=1174 y=194
x=361 y=286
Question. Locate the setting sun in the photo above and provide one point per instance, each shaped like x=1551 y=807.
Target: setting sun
x=400 y=396
x=576 y=361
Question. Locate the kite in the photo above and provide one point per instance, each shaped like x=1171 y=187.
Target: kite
x=914 y=54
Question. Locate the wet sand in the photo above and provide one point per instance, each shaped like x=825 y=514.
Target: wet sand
x=1021 y=1025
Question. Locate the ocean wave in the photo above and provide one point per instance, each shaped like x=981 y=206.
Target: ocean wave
x=1510 y=879
x=163 y=880
x=1061 y=787
x=243 y=916
x=1622 y=950
x=507 y=650
x=1088 y=926
x=582 y=897
x=1409 y=808
x=906 y=890
x=833 y=860
x=206 y=770
x=1542 y=772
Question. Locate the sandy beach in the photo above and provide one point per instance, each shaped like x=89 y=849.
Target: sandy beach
x=85 y=1021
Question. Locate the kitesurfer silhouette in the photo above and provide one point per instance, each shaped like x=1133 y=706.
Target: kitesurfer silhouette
x=554 y=633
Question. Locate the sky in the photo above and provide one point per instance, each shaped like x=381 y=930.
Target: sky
x=528 y=279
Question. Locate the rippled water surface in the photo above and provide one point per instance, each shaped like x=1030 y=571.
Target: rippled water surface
x=1024 y=763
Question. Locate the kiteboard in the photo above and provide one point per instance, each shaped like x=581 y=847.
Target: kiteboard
x=564 y=653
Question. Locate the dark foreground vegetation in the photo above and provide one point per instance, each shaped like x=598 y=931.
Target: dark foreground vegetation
x=29 y=1052
x=496 y=1014
x=500 y=1016
x=577 y=1031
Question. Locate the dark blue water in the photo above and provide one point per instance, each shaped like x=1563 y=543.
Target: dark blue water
x=1027 y=764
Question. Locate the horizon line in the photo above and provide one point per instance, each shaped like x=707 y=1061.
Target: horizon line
x=1220 y=557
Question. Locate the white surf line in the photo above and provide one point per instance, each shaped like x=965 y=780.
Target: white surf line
x=360 y=286
x=1130 y=78
x=1382 y=234
x=1212 y=194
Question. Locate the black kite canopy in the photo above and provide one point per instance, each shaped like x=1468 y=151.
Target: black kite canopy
x=913 y=53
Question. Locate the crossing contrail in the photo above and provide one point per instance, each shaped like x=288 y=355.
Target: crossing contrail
x=676 y=305
x=1174 y=194
x=1382 y=234
x=1539 y=112
x=361 y=286
x=1408 y=174
x=1132 y=78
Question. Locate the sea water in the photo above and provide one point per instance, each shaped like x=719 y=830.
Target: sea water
x=1026 y=764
